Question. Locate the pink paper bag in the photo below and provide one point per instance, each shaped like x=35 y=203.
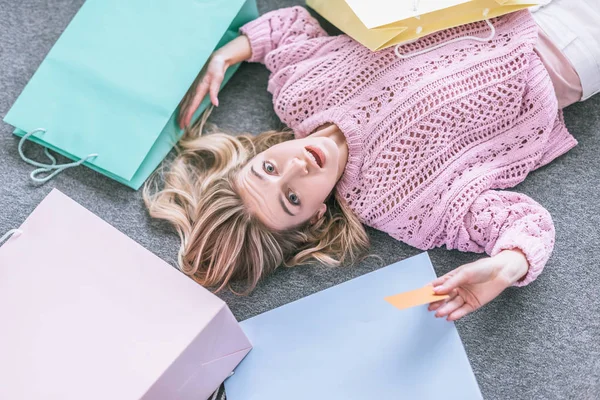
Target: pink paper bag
x=87 y=313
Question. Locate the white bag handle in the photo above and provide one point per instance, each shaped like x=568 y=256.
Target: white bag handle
x=424 y=51
x=10 y=233
x=42 y=168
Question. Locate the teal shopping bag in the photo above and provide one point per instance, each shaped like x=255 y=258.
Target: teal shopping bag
x=108 y=90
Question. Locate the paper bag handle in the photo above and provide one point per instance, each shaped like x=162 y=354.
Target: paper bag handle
x=44 y=168
x=459 y=39
x=9 y=234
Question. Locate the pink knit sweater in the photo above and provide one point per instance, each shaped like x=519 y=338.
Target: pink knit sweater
x=430 y=138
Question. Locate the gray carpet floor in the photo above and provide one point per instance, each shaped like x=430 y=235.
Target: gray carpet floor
x=537 y=342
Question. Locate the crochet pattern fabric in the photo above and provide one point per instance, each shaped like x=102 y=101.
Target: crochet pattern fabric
x=430 y=137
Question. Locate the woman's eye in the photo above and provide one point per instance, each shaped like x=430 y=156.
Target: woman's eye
x=293 y=198
x=268 y=167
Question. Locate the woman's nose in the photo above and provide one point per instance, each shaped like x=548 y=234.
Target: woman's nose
x=296 y=167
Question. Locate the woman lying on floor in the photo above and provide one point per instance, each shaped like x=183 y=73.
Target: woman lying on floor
x=421 y=148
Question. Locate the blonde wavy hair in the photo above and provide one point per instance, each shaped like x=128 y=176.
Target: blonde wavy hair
x=221 y=240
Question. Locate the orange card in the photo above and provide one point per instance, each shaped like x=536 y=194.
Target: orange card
x=425 y=295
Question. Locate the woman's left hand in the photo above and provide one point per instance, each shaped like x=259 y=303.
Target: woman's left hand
x=473 y=285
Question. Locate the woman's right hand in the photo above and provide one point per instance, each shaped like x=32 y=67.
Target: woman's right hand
x=473 y=285
x=212 y=77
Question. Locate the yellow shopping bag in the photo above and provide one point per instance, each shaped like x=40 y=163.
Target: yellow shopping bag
x=378 y=24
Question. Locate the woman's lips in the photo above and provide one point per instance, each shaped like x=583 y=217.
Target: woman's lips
x=316 y=156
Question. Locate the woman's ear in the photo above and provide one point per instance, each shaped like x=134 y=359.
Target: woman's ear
x=319 y=214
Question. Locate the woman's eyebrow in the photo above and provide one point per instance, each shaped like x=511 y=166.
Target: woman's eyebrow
x=285 y=207
x=256 y=173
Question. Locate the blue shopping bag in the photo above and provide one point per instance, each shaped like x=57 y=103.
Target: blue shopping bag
x=107 y=92
x=347 y=342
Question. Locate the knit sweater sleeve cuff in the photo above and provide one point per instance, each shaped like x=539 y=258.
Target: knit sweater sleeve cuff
x=258 y=33
x=534 y=249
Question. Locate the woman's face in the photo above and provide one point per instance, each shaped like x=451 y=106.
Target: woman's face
x=287 y=184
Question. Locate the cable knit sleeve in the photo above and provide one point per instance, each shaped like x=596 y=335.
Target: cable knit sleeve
x=503 y=220
x=278 y=28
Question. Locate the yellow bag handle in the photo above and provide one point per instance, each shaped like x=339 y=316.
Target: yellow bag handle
x=455 y=40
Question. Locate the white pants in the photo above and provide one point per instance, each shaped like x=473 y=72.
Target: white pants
x=574 y=27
